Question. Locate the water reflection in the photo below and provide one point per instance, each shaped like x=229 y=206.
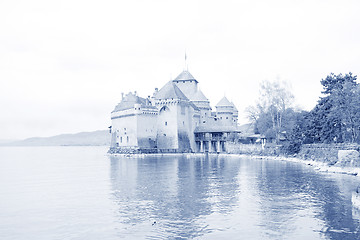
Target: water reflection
x=173 y=191
x=289 y=192
x=176 y=197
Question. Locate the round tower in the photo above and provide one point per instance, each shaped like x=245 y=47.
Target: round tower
x=224 y=112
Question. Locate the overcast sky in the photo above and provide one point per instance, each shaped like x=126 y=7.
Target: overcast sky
x=64 y=64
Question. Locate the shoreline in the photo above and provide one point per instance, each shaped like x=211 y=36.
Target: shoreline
x=317 y=165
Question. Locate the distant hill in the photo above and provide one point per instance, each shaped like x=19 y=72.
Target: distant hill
x=96 y=138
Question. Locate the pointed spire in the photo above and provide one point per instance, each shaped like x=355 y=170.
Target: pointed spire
x=186 y=66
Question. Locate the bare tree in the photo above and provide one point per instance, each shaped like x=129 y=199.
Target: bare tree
x=275 y=98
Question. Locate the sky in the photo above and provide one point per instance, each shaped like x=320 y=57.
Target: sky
x=64 y=64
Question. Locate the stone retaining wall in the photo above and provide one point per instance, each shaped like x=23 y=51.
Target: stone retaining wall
x=327 y=153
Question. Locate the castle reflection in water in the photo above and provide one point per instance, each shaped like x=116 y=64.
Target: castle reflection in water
x=205 y=196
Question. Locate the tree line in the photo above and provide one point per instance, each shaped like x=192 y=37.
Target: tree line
x=334 y=119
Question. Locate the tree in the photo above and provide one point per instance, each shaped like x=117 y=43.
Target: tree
x=295 y=131
x=268 y=113
x=336 y=82
x=336 y=116
x=347 y=107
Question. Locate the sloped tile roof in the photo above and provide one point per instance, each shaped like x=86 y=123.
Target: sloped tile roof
x=198 y=96
x=214 y=128
x=185 y=75
x=235 y=109
x=224 y=102
x=170 y=91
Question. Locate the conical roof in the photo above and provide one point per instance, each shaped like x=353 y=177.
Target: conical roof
x=185 y=76
x=224 y=102
x=169 y=91
x=235 y=109
x=199 y=96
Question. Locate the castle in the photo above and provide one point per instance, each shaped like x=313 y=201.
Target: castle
x=177 y=118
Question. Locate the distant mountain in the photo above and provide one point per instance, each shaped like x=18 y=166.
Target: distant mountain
x=96 y=138
x=5 y=141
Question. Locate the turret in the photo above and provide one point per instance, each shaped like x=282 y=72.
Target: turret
x=224 y=112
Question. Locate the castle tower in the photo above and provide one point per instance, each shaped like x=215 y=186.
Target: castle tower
x=174 y=125
x=134 y=123
x=186 y=83
x=235 y=115
x=203 y=104
x=224 y=112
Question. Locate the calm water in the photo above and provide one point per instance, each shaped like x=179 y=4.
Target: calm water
x=80 y=193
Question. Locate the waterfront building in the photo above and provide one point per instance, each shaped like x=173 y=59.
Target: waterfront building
x=177 y=118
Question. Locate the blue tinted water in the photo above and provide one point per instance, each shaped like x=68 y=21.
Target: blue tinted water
x=81 y=193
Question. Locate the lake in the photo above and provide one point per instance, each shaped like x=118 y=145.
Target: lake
x=81 y=193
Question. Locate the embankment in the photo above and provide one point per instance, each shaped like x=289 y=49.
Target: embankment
x=341 y=158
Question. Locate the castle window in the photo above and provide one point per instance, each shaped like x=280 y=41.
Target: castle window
x=220 y=117
x=183 y=81
x=182 y=110
x=227 y=118
x=127 y=138
x=121 y=139
x=183 y=123
x=165 y=123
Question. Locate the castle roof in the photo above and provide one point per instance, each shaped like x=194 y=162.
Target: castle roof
x=198 y=96
x=216 y=128
x=170 y=91
x=235 y=109
x=128 y=102
x=224 y=102
x=185 y=76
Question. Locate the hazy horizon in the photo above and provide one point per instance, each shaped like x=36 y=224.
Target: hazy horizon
x=64 y=64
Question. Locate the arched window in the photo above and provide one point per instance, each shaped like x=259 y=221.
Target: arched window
x=164 y=109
